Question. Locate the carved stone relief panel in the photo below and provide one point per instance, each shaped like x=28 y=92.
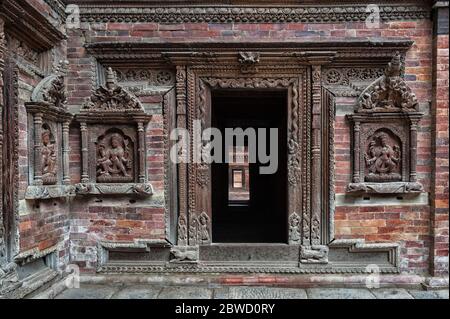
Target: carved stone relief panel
x=385 y=135
x=112 y=125
x=49 y=139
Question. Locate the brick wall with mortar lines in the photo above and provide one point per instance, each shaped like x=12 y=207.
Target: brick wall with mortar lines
x=109 y=218
x=440 y=195
x=407 y=224
x=42 y=224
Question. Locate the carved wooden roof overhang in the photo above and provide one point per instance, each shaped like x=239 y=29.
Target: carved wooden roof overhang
x=25 y=22
x=253 y=11
x=295 y=53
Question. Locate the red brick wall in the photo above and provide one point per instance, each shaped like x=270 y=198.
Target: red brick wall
x=440 y=190
x=408 y=224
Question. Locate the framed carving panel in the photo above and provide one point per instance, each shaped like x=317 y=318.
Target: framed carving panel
x=385 y=136
x=49 y=139
x=112 y=128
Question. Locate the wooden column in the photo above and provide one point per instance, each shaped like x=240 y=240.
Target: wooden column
x=84 y=153
x=316 y=164
x=3 y=256
x=356 y=162
x=182 y=223
x=65 y=152
x=141 y=151
x=37 y=119
x=413 y=151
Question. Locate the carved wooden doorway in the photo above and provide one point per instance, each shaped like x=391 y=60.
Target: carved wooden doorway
x=303 y=224
x=249 y=187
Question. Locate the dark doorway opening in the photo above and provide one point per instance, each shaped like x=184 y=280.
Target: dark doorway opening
x=247 y=206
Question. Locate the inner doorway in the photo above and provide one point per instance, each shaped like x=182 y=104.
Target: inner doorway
x=247 y=206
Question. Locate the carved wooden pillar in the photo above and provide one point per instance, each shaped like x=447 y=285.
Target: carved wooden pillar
x=65 y=152
x=413 y=151
x=141 y=151
x=356 y=146
x=37 y=118
x=2 y=63
x=84 y=153
x=182 y=223
x=316 y=165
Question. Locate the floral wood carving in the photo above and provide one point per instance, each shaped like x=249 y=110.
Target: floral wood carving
x=389 y=93
x=112 y=97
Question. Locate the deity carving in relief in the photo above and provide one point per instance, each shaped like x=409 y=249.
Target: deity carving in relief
x=48 y=158
x=114 y=159
x=382 y=159
x=203 y=231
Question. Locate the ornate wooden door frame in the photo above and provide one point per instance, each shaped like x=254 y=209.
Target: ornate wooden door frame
x=301 y=81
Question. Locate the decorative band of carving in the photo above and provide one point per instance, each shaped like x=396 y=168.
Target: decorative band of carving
x=194 y=268
x=143 y=189
x=236 y=14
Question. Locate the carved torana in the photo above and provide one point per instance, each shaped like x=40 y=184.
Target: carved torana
x=389 y=93
x=112 y=97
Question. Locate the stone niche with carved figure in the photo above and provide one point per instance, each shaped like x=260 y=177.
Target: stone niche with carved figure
x=112 y=125
x=49 y=139
x=385 y=136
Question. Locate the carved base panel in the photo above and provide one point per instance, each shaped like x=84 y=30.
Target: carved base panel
x=142 y=189
x=341 y=256
x=49 y=191
x=385 y=188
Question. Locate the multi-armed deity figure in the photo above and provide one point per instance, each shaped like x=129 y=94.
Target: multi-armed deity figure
x=113 y=160
x=382 y=160
x=48 y=159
